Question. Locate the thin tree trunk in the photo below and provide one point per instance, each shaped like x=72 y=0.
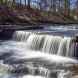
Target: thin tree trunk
x=29 y=1
x=51 y=8
x=59 y=5
x=20 y=2
x=40 y=5
x=25 y=2
x=13 y=1
x=77 y=4
x=67 y=7
x=54 y=5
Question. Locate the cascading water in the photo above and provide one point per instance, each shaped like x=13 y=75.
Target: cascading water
x=35 y=41
x=45 y=43
x=21 y=35
x=44 y=48
x=64 y=47
x=51 y=44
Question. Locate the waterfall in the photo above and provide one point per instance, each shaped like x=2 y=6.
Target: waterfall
x=51 y=44
x=45 y=43
x=21 y=35
x=64 y=47
x=38 y=53
x=35 y=41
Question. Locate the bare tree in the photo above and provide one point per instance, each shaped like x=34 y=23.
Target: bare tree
x=59 y=5
x=40 y=4
x=51 y=7
x=20 y=2
x=67 y=7
x=54 y=5
x=25 y=2
x=13 y=1
x=29 y=2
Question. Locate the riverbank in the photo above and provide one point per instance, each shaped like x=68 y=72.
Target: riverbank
x=29 y=16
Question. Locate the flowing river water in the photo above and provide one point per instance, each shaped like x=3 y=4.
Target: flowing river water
x=51 y=47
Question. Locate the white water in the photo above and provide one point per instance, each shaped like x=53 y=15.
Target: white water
x=30 y=76
x=21 y=35
x=45 y=43
x=31 y=46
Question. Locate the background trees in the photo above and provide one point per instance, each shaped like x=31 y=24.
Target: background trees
x=55 y=6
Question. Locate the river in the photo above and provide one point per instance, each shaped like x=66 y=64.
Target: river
x=44 y=45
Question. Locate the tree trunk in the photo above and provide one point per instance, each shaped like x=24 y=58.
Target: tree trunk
x=40 y=5
x=59 y=6
x=77 y=4
x=20 y=2
x=29 y=1
x=13 y=1
x=67 y=7
x=25 y=2
x=54 y=5
x=51 y=8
